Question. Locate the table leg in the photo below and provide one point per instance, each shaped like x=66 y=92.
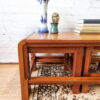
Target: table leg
x=86 y=67
x=66 y=56
x=24 y=74
x=33 y=62
x=77 y=67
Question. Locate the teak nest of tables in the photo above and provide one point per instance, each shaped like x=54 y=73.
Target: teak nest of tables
x=81 y=46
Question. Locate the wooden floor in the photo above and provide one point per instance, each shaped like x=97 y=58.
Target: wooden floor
x=10 y=85
x=9 y=82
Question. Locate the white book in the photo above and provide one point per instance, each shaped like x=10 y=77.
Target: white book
x=77 y=31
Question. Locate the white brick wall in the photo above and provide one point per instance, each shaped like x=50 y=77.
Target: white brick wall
x=18 y=18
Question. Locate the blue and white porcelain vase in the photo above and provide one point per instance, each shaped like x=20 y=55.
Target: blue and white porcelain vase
x=43 y=20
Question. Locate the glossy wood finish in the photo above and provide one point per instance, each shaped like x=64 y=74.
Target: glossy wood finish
x=50 y=59
x=23 y=74
x=65 y=80
x=71 y=36
x=76 y=51
x=77 y=67
x=56 y=43
x=88 y=60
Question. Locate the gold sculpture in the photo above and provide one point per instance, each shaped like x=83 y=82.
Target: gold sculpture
x=55 y=18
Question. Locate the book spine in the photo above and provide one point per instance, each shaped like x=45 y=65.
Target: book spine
x=92 y=21
x=96 y=25
x=91 y=28
x=89 y=31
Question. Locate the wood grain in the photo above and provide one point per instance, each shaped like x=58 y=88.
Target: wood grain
x=68 y=42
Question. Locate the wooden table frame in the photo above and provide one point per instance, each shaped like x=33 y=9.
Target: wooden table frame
x=78 y=47
x=88 y=61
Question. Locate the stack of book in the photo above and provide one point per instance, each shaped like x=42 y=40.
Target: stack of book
x=88 y=26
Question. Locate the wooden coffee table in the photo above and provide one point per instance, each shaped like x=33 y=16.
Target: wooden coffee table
x=56 y=43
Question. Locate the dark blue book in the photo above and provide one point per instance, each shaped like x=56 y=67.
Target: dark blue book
x=91 y=21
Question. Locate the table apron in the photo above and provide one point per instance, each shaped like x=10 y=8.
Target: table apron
x=51 y=50
x=63 y=45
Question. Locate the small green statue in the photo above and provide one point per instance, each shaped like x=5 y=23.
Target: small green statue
x=54 y=23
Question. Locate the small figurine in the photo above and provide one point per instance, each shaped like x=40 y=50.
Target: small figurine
x=55 y=18
x=54 y=23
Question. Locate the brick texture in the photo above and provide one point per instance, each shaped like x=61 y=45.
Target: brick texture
x=19 y=18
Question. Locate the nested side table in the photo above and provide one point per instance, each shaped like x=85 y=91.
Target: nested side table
x=89 y=59
x=55 y=43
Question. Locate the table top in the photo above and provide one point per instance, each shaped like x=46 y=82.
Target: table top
x=63 y=37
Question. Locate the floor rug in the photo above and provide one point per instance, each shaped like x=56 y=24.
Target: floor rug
x=60 y=92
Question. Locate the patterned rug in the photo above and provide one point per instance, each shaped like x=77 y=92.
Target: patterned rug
x=61 y=92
